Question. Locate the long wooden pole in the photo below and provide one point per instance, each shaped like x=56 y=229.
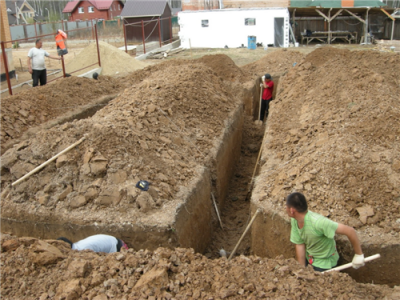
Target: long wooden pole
x=244 y=233
x=259 y=108
x=97 y=43
x=47 y=162
x=216 y=209
x=349 y=265
x=5 y=60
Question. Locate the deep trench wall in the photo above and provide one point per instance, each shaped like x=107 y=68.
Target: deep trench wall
x=193 y=221
x=194 y=218
x=251 y=92
x=270 y=234
x=385 y=270
x=227 y=155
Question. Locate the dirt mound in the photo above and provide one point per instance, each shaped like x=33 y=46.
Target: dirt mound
x=113 y=61
x=161 y=130
x=276 y=63
x=223 y=66
x=332 y=136
x=35 y=106
x=47 y=269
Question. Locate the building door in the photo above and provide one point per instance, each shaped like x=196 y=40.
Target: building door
x=279 y=32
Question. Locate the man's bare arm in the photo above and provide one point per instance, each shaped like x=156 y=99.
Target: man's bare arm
x=29 y=65
x=301 y=254
x=54 y=57
x=352 y=236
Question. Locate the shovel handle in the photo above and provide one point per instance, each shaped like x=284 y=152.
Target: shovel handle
x=349 y=265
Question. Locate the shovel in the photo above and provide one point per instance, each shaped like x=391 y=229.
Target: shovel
x=349 y=265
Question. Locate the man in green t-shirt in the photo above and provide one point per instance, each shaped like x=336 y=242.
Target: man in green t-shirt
x=314 y=235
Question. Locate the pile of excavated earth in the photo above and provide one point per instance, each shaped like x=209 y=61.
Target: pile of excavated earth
x=113 y=62
x=49 y=269
x=160 y=130
x=33 y=107
x=331 y=134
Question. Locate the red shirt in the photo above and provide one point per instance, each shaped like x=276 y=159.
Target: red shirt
x=267 y=93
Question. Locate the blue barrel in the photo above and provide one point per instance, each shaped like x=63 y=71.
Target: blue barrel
x=252 y=42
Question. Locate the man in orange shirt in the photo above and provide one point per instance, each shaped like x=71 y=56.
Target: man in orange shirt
x=61 y=36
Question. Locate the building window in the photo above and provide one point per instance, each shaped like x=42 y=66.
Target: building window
x=91 y=9
x=119 y=7
x=176 y=4
x=111 y=8
x=204 y=23
x=250 y=21
x=80 y=10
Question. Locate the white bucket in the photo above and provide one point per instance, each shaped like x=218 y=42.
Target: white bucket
x=296 y=44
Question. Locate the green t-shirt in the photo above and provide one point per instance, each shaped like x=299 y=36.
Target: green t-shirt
x=318 y=235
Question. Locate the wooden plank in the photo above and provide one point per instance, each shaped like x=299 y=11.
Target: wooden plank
x=387 y=14
x=355 y=16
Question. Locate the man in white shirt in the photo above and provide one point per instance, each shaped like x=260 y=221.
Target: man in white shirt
x=97 y=243
x=36 y=64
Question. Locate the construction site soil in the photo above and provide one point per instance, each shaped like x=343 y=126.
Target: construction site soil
x=49 y=269
x=331 y=134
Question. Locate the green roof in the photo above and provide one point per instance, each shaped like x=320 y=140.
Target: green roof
x=335 y=3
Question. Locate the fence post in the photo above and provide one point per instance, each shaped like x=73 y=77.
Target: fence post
x=97 y=43
x=159 y=30
x=63 y=65
x=104 y=24
x=170 y=28
x=34 y=24
x=144 y=43
x=124 y=28
x=92 y=29
x=5 y=61
x=62 y=25
x=25 y=32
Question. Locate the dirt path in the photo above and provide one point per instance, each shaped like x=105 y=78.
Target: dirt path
x=235 y=214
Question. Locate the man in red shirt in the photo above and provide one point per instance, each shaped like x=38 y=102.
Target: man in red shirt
x=268 y=86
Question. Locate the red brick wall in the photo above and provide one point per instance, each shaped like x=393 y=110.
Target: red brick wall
x=199 y=4
x=97 y=14
x=255 y=3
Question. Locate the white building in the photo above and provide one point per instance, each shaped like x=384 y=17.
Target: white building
x=232 y=27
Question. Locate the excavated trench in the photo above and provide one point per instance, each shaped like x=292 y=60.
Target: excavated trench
x=195 y=223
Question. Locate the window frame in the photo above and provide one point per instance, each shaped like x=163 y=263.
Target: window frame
x=81 y=10
x=204 y=24
x=249 y=21
x=91 y=7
